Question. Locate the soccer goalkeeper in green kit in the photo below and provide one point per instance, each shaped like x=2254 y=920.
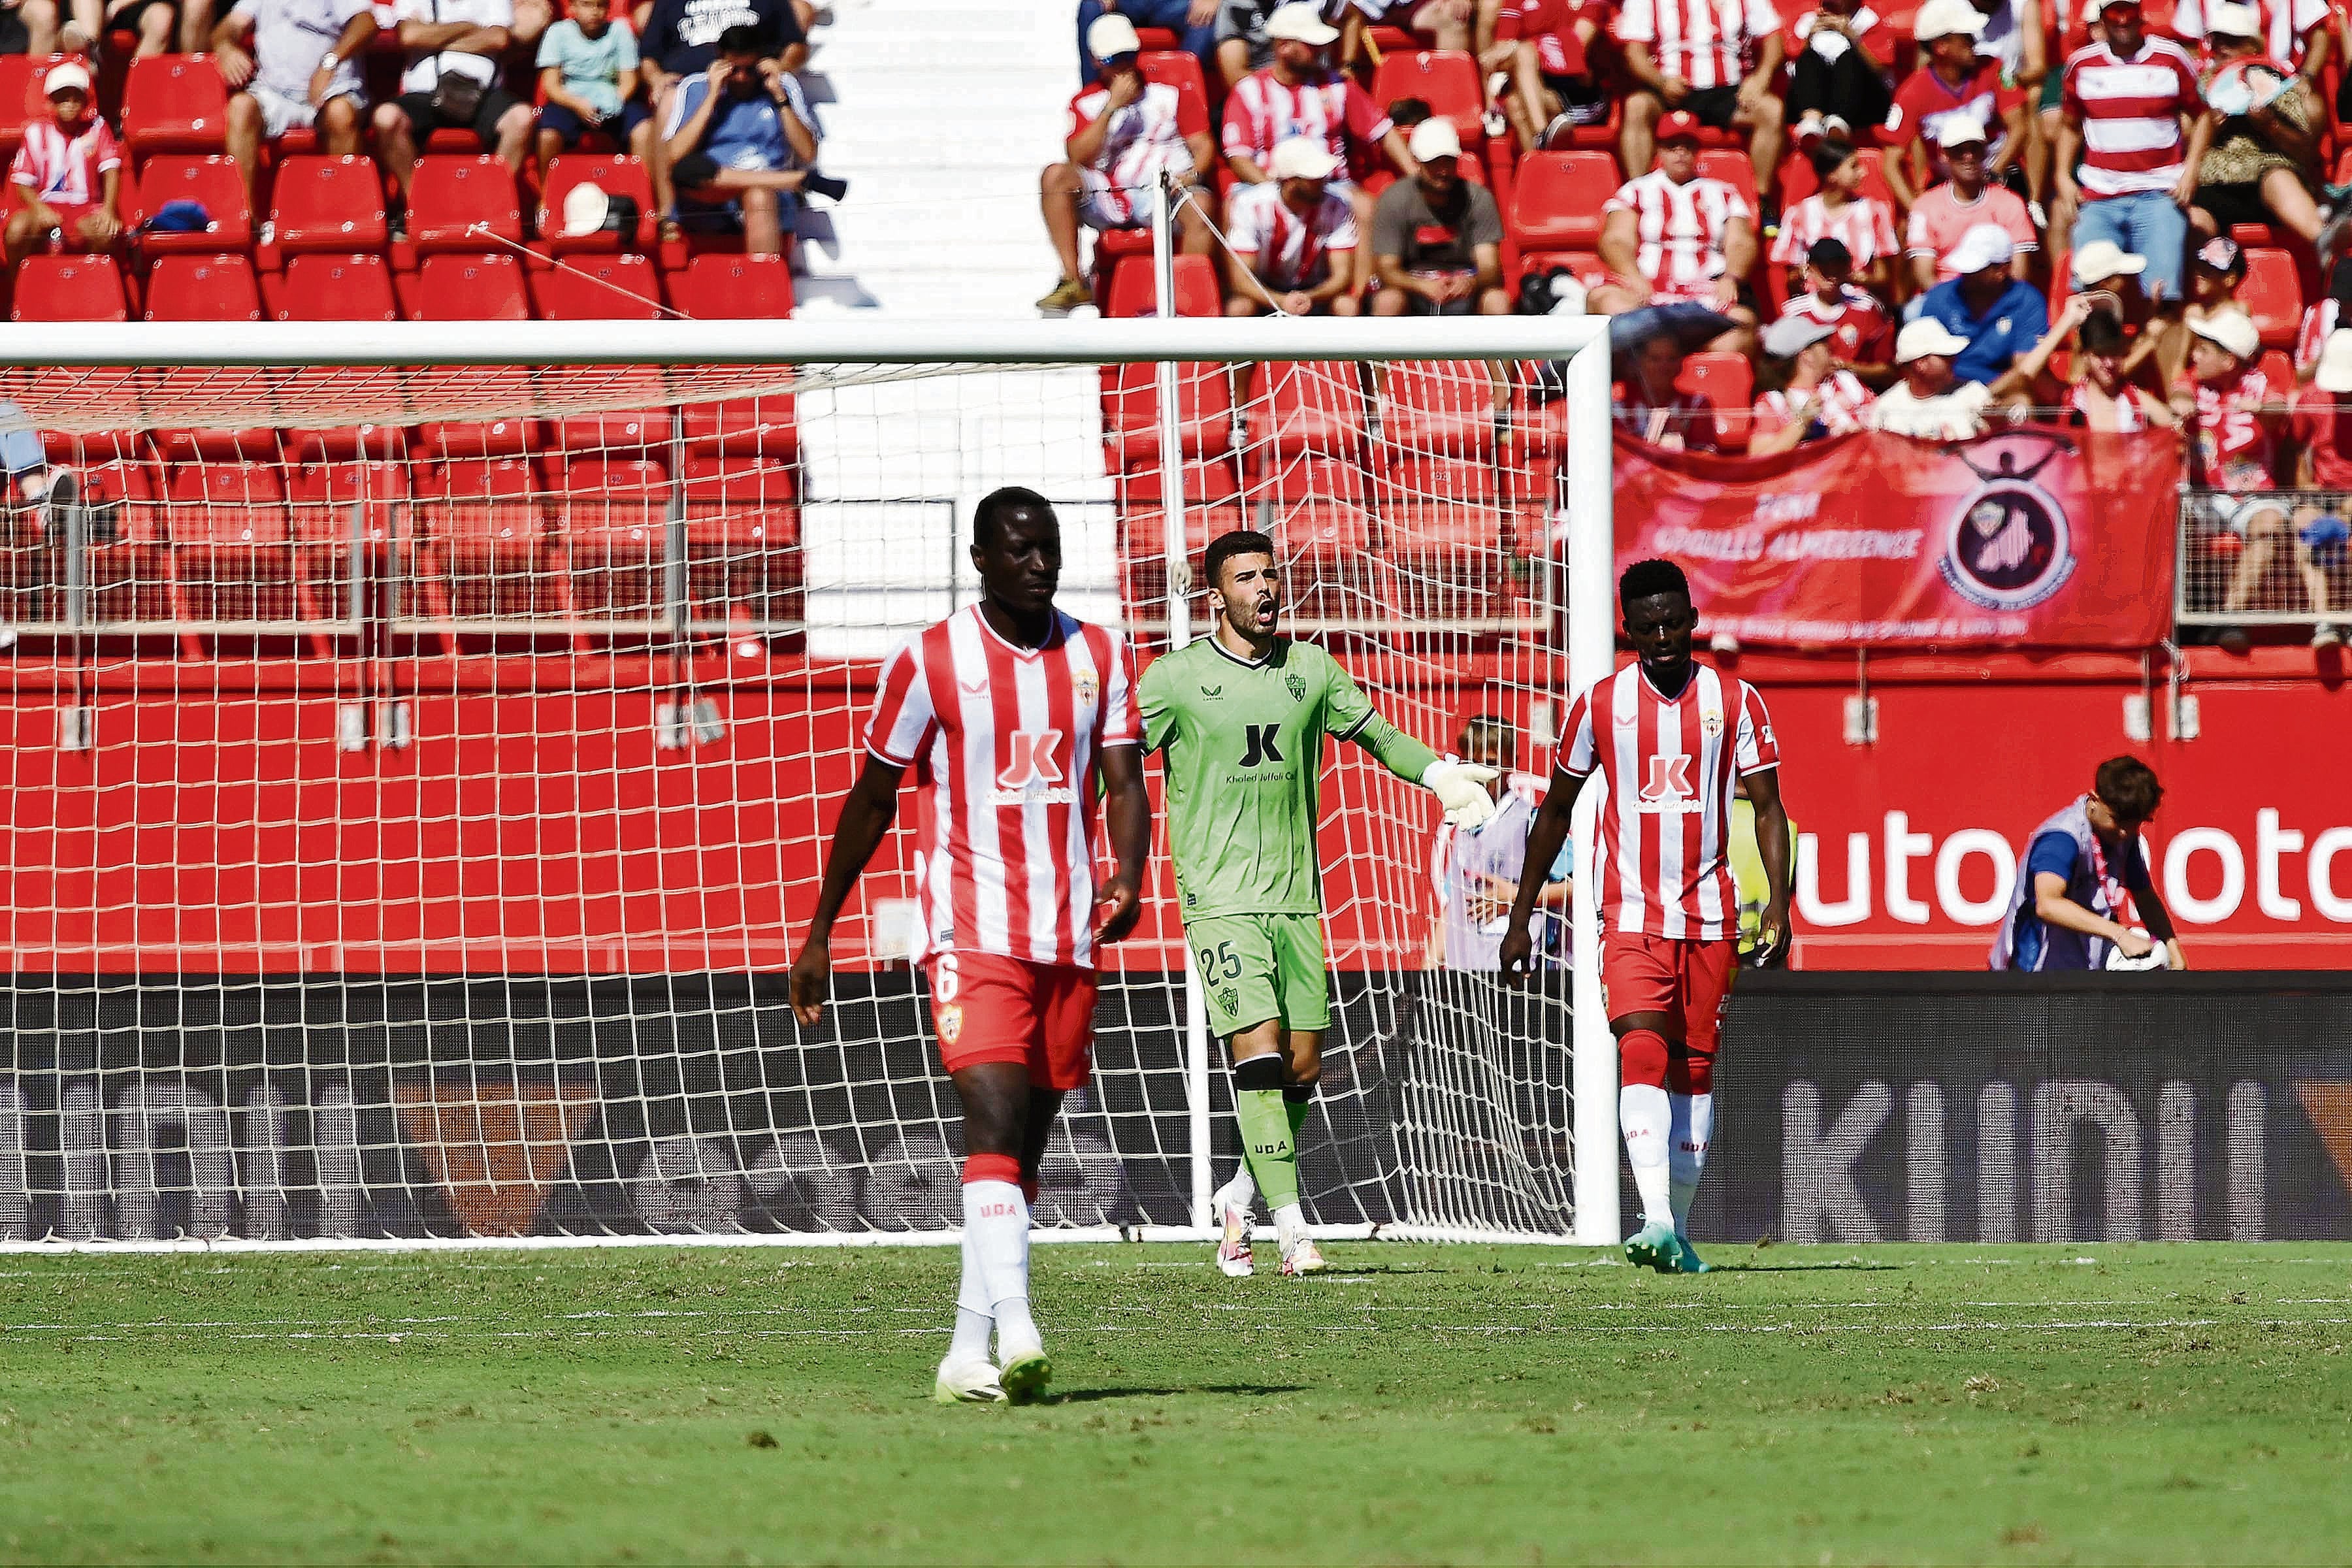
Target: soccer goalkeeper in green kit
x=1239 y=718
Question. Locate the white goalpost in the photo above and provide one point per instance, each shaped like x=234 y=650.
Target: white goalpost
x=424 y=738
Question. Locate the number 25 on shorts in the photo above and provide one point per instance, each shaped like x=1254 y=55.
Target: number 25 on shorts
x=1220 y=962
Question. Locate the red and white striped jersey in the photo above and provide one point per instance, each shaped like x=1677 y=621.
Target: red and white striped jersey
x=1866 y=225
x=1665 y=826
x=1289 y=250
x=1003 y=741
x=1331 y=110
x=2286 y=25
x=2130 y=113
x=1144 y=137
x=1860 y=328
x=1840 y=400
x=63 y=166
x=2317 y=321
x=1681 y=227
x=1708 y=42
x=1550 y=26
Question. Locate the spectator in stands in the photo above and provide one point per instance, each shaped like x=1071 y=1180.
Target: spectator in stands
x=2237 y=423
x=2215 y=273
x=1476 y=871
x=1863 y=225
x=2321 y=430
x=160 y=25
x=1193 y=21
x=741 y=145
x=1437 y=239
x=1242 y=46
x=1123 y=132
x=1293 y=239
x=1998 y=316
x=2085 y=874
x=680 y=39
x=1448 y=25
x=2104 y=397
x=1550 y=52
x=1716 y=63
x=1939 y=217
x=293 y=64
x=68 y=176
x=2294 y=33
x=588 y=76
x=1675 y=234
x=2264 y=155
x=2017 y=41
x=454 y=48
x=1954 y=91
x=1836 y=86
x=2132 y=112
x=28 y=27
x=1861 y=337
x=1806 y=396
x=2102 y=274
x=1650 y=406
x=1926 y=402
x=2320 y=319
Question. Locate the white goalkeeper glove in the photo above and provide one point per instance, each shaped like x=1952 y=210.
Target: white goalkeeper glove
x=1461 y=788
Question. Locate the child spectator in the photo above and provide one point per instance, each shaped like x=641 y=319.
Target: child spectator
x=66 y=175
x=588 y=71
x=2237 y=422
x=2330 y=312
x=1863 y=225
x=1941 y=216
x=2104 y=397
x=1837 y=84
x=292 y=65
x=1860 y=336
x=1806 y=398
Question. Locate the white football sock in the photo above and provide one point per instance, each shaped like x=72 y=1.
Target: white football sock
x=1693 y=1125
x=1290 y=1226
x=996 y=1218
x=1241 y=1193
x=974 y=1322
x=1647 y=1122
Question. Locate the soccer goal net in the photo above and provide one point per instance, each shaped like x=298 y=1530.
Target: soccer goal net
x=423 y=741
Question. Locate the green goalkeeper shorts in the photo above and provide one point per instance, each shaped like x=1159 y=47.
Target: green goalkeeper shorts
x=1255 y=967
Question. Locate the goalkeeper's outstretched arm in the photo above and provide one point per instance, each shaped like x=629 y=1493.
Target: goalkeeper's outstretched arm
x=1460 y=787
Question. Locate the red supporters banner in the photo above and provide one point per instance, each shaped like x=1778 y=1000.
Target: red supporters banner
x=2034 y=537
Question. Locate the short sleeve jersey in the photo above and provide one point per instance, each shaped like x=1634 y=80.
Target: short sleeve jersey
x=592 y=67
x=1865 y=225
x=1708 y=42
x=1680 y=228
x=1331 y=110
x=746 y=132
x=1003 y=741
x=2130 y=112
x=2235 y=431
x=62 y=165
x=1925 y=103
x=2323 y=427
x=682 y=36
x=291 y=37
x=1241 y=748
x=1858 y=325
x=1289 y=252
x=1435 y=237
x=1143 y=137
x=1939 y=217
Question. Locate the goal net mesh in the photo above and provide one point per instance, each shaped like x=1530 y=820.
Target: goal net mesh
x=418 y=781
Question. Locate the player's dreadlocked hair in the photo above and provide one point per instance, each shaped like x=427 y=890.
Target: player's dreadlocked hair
x=996 y=503
x=1225 y=546
x=1647 y=579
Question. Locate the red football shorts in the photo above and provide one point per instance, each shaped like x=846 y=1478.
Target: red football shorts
x=1689 y=982
x=989 y=1008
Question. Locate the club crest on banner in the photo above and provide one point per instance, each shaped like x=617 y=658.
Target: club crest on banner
x=2009 y=545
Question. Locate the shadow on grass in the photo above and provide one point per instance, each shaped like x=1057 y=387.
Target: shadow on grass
x=1228 y=1390
x=1840 y=1266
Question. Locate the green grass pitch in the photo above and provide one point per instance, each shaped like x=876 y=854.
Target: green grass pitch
x=1419 y=1405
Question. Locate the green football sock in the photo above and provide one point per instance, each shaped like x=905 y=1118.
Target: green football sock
x=1267 y=1143
x=1297 y=1100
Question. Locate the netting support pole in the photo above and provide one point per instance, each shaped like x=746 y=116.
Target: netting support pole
x=1591 y=655
x=1179 y=632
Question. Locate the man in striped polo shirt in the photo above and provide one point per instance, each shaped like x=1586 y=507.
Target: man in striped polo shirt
x=2131 y=108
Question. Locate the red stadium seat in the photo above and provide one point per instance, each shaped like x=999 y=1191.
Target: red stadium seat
x=1437 y=409
x=1729 y=382
x=1446 y=80
x=348 y=443
x=1734 y=169
x=69 y=289
x=617 y=174
x=202 y=289
x=631 y=433
x=20 y=96
x=212 y=181
x=743 y=426
x=469 y=289
x=330 y=204
x=252 y=444
x=226 y=504
x=599 y=288
x=325 y=499
x=2272 y=295
x=1316 y=409
x=1133 y=292
x=1174 y=67
x=1557 y=202
x=1205 y=402
x=174 y=103
x=336 y=289
x=462 y=203
x=715 y=288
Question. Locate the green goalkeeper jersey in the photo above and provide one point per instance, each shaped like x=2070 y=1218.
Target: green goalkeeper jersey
x=1241 y=752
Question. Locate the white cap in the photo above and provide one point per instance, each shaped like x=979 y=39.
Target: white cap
x=1986 y=245
x=72 y=73
x=2229 y=19
x=2335 y=373
x=1435 y=139
x=1942 y=18
x=1112 y=36
x=2103 y=258
x=1792 y=335
x=1301 y=158
x=1960 y=129
x=2233 y=330
x=585 y=207
x=1301 y=23
x=1924 y=337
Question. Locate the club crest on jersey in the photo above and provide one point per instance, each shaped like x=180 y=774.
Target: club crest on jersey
x=1297 y=685
x=1668 y=786
x=1031 y=772
x=1229 y=1000
x=1085 y=684
x=2010 y=546
x=1710 y=722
